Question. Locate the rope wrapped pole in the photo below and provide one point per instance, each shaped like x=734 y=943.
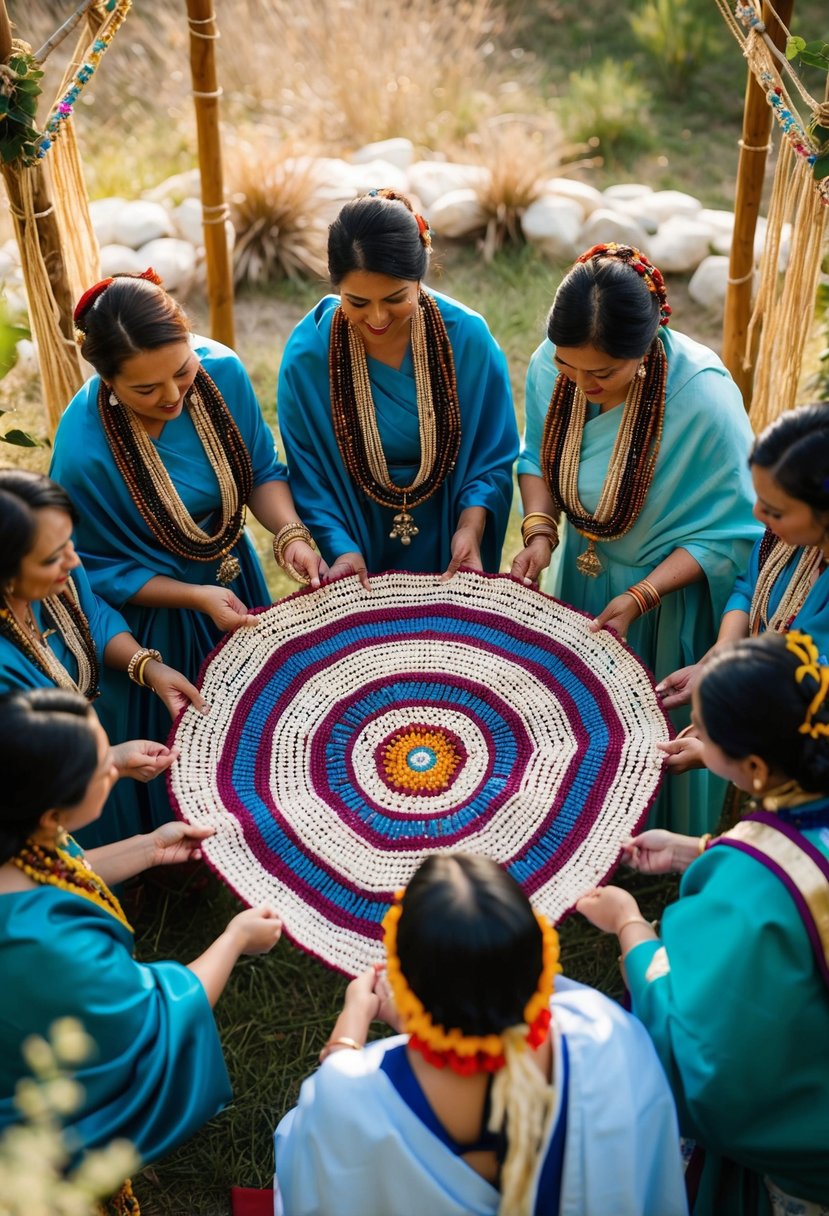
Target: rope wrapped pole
x=754 y=147
x=44 y=272
x=204 y=33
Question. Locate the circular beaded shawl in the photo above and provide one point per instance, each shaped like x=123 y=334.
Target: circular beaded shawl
x=353 y=733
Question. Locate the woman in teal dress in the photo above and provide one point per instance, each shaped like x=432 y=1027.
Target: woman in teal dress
x=637 y=436
x=735 y=989
x=162 y=452
x=54 y=630
x=66 y=949
x=395 y=408
x=786 y=584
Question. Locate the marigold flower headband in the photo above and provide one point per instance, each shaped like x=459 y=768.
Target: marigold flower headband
x=803 y=648
x=466 y=1053
x=650 y=274
x=97 y=289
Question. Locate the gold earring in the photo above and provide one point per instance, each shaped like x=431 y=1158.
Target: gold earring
x=756 y=785
x=641 y=371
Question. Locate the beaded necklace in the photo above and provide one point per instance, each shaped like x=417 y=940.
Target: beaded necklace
x=151 y=487
x=65 y=866
x=355 y=419
x=70 y=622
x=632 y=461
x=774 y=557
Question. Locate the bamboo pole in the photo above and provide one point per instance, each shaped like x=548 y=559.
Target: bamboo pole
x=206 y=92
x=751 y=166
x=51 y=320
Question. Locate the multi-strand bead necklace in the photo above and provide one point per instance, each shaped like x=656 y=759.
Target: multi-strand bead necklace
x=632 y=461
x=355 y=420
x=775 y=555
x=64 y=866
x=151 y=487
x=70 y=622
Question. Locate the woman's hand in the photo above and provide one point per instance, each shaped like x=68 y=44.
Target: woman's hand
x=256 y=930
x=608 y=908
x=466 y=551
x=142 y=759
x=176 y=842
x=684 y=752
x=532 y=560
x=226 y=610
x=660 y=852
x=619 y=614
x=174 y=689
x=676 y=688
x=304 y=560
x=350 y=563
x=388 y=1011
x=361 y=1001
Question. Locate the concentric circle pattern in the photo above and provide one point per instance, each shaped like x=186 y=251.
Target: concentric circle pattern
x=352 y=733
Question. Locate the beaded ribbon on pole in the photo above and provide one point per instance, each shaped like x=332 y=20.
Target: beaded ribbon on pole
x=70 y=622
x=775 y=555
x=355 y=420
x=632 y=460
x=151 y=487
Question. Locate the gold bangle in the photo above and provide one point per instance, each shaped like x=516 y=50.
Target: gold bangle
x=136 y=665
x=703 y=843
x=657 y=598
x=284 y=537
x=636 y=594
x=633 y=920
x=343 y=1041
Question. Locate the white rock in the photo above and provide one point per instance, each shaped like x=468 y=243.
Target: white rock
x=8 y=265
x=709 y=283
x=606 y=225
x=140 y=222
x=553 y=224
x=120 y=259
x=11 y=249
x=719 y=221
x=175 y=189
x=26 y=355
x=104 y=213
x=399 y=152
x=173 y=260
x=636 y=209
x=16 y=302
x=663 y=205
x=625 y=192
x=379 y=175
x=457 y=214
x=429 y=179
x=679 y=245
x=187 y=218
x=588 y=197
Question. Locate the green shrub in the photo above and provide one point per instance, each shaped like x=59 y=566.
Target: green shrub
x=677 y=35
x=606 y=107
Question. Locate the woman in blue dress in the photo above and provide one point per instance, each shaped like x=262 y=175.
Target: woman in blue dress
x=66 y=949
x=500 y=1095
x=786 y=584
x=162 y=453
x=54 y=630
x=395 y=408
x=636 y=439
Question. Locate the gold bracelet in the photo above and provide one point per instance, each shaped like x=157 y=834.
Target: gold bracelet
x=284 y=537
x=703 y=843
x=139 y=660
x=343 y=1041
x=633 y=920
x=648 y=587
x=635 y=594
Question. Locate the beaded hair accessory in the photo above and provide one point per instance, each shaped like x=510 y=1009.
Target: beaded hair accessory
x=466 y=1053
x=637 y=261
x=97 y=289
x=803 y=648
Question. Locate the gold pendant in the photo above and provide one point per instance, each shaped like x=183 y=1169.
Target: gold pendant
x=229 y=569
x=589 y=563
x=404 y=528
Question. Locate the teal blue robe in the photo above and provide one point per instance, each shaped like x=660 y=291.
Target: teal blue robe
x=813 y=617
x=158 y=1072
x=739 y=1014
x=341 y=517
x=700 y=500
x=121 y=554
